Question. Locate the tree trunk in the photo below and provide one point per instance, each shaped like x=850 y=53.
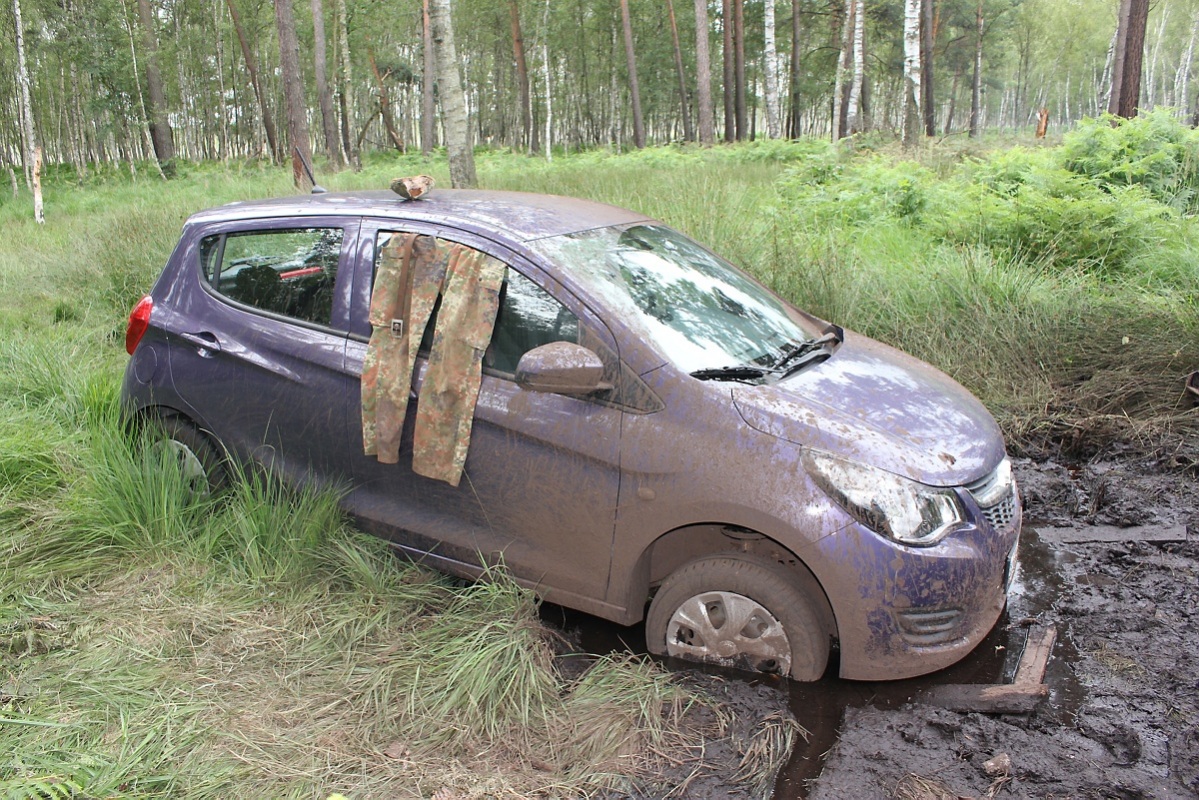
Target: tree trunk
x=739 y=51
x=928 y=38
x=160 y=128
x=684 y=101
x=28 y=142
x=528 y=132
x=771 y=78
x=976 y=83
x=346 y=92
x=293 y=95
x=428 y=107
x=911 y=71
x=1130 y=53
x=726 y=25
x=453 y=101
x=389 y=122
x=953 y=97
x=703 y=75
x=268 y=122
x=1183 y=76
x=854 y=121
x=840 y=84
x=793 y=119
x=328 y=119
x=634 y=87
x=30 y=151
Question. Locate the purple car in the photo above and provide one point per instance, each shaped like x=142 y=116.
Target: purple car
x=655 y=435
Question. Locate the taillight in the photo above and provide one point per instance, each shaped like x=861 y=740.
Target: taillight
x=139 y=320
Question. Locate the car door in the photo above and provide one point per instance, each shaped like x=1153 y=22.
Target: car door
x=541 y=477
x=257 y=346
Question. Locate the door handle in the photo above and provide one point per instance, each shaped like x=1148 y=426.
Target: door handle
x=205 y=343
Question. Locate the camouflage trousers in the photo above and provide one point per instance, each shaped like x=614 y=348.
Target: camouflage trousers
x=413 y=271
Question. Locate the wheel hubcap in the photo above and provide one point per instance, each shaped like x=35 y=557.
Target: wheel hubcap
x=729 y=629
x=194 y=476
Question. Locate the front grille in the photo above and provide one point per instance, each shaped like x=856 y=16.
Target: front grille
x=996 y=497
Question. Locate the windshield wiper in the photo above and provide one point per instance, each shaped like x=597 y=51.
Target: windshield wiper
x=807 y=352
x=738 y=373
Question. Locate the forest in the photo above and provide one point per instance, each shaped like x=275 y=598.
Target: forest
x=124 y=81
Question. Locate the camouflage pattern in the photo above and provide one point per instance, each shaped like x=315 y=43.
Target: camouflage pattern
x=447 y=398
x=410 y=275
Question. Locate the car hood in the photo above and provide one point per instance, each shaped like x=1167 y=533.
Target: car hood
x=877 y=406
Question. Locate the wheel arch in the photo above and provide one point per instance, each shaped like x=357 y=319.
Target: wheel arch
x=689 y=543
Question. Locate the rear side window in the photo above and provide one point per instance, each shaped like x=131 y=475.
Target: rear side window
x=287 y=272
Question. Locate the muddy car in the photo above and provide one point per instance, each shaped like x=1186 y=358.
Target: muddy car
x=652 y=435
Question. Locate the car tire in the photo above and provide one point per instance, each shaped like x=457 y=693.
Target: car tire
x=203 y=465
x=738 y=611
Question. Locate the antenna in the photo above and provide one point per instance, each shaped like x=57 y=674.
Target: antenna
x=303 y=160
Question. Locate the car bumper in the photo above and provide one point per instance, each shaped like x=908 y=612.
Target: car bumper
x=906 y=611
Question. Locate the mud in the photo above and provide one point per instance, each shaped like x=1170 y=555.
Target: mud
x=1122 y=719
x=1122 y=716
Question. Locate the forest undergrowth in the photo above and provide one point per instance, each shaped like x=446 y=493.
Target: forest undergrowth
x=153 y=642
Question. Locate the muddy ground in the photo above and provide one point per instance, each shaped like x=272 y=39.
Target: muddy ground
x=1122 y=716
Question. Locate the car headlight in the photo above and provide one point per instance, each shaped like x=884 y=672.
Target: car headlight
x=895 y=507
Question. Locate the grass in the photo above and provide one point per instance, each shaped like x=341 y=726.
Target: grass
x=154 y=643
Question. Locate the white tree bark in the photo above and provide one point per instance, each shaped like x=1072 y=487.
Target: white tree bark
x=854 y=121
x=1183 y=76
x=30 y=152
x=911 y=71
x=453 y=101
x=772 y=79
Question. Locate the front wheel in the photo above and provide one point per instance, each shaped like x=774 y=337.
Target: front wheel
x=740 y=612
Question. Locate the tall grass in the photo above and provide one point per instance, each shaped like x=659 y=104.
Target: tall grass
x=154 y=641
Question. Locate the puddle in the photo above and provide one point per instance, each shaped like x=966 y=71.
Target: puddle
x=820 y=706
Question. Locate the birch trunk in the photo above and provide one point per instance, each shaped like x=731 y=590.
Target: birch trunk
x=773 y=127
x=976 y=83
x=28 y=143
x=346 y=93
x=1183 y=76
x=911 y=71
x=854 y=121
x=453 y=101
x=428 y=106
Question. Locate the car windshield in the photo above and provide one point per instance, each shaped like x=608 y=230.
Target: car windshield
x=700 y=311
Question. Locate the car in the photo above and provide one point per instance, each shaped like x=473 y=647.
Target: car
x=656 y=436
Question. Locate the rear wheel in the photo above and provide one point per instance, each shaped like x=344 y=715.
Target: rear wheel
x=201 y=463
x=741 y=612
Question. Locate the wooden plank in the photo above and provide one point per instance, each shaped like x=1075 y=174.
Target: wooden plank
x=1019 y=697
x=1081 y=534
x=1035 y=659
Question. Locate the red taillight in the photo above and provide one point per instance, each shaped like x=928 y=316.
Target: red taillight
x=139 y=320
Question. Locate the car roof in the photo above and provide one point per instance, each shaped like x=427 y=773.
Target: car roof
x=520 y=215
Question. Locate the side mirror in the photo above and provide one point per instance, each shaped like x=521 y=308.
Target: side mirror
x=561 y=368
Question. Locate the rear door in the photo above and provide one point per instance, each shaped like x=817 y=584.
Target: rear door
x=542 y=473
x=257 y=341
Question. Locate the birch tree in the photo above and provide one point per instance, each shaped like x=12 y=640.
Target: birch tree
x=30 y=151
x=160 y=127
x=453 y=99
x=911 y=71
x=268 y=121
x=771 y=58
x=854 y=122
